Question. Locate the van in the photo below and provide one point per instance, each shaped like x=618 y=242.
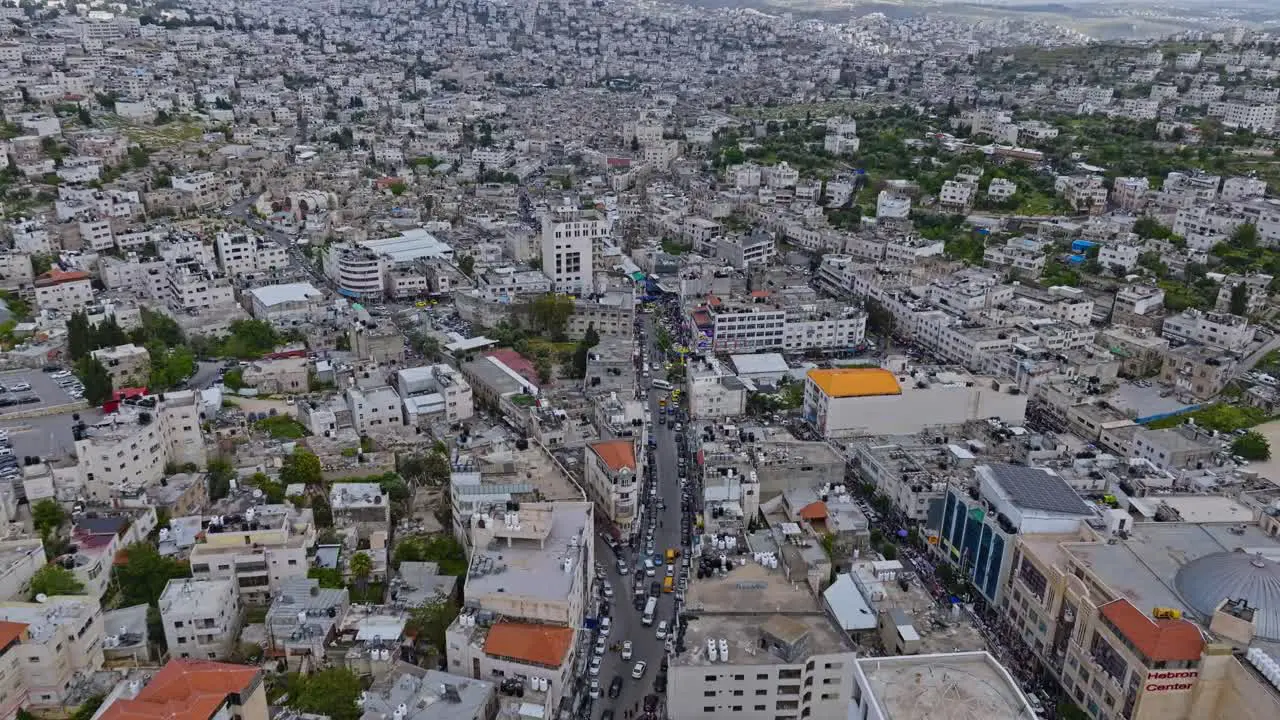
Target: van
x=661 y=384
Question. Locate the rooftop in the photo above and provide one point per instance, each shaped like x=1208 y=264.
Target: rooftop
x=752 y=588
x=545 y=645
x=956 y=686
x=856 y=382
x=528 y=559
x=429 y=695
x=43 y=619
x=617 y=454
x=743 y=634
x=1038 y=489
x=193 y=596
x=1159 y=639
x=299 y=292
x=185 y=690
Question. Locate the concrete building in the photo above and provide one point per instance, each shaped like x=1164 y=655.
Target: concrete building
x=374 y=409
x=259 y=550
x=283 y=375
x=746 y=251
x=128 y=365
x=912 y=473
x=1200 y=371
x=19 y=561
x=960 y=686
x=569 y=240
x=64 y=640
x=360 y=505
x=714 y=391
x=200 y=689
x=430 y=695
x=873 y=401
x=304 y=617
x=201 y=617
x=286 y=305
x=358 y=272
x=434 y=392
x=137 y=442
x=979 y=524
x=13 y=687
x=759 y=326
x=612 y=479
x=63 y=291
x=242 y=254
x=524 y=621
x=1222 y=331
x=381 y=343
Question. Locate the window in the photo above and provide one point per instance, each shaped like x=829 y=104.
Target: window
x=711 y=678
x=708 y=708
x=758 y=692
x=760 y=708
x=709 y=693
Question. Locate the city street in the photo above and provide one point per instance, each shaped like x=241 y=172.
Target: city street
x=626 y=619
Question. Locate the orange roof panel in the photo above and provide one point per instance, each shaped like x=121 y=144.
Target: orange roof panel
x=617 y=454
x=1158 y=639
x=545 y=645
x=816 y=510
x=11 y=631
x=185 y=690
x=856 y=382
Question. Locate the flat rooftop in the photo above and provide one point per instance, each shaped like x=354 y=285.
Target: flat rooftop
x=1143 y=567
x=743 y=634
x=957 y=686
x=533 y=568
x=1208 y=508
x=193 y=596
x=752 y=588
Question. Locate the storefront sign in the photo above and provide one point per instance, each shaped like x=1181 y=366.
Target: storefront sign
x=1172 y=680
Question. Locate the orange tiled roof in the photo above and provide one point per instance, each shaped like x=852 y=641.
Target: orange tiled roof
x=10 y=631
x=1157 y=639
x=855 y=382
x=617 y=454
x=545 y=645
x=55 y=276
x=816 y=510
x=184 y=690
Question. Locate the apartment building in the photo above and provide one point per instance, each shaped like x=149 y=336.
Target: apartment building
x=981 y=521
x=202 y=689
x=13 y=687
x=282 y=375
x=1222 y=331
x=96 y=234
x=1257 y=292
x=201 y=189
x=761 y=327
x=1258 y=117
x=239 y=254
x=969 y=292
x=714 y=391
x=358 y=272
x=746 y=251
x=435 y=392
x=63 y=291
x=1130 y=193
x=64 y=640
x=1138 y=306
x=570 y=238
x=1199 y=371
x=612 y=477
x=911 y=473
x=135 y=444
x=1083 y=194
x=374 y=409
x=260 y=550
x=19 y=561
x=611 y=315
x=1023 y=256
x=363 y=506
x=193 y=288
x=989 y=690
x=526 y=599
x=957 y=196
x=16 y=272
x=128 y=365
x=201 y=617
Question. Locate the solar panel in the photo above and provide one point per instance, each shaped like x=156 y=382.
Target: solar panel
x=1038 y=489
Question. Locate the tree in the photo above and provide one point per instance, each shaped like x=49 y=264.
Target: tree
x=301 y=467
x=96 y=380
x=889 y=551
x=79 y=336
x=1239 y=299
x=427 y=623
x=47 y=516
x=53 y=579
x=332 y=692
x=590 y=339
x=467 y=264
x=144 y=574
x=220 y=474
x=361 y=566
x=1245 y=236
x=108 y=334
x=1253 y=445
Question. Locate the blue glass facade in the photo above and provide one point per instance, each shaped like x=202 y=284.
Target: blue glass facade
x=971 y=540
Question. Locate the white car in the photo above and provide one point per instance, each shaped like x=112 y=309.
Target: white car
x=661 y=632
x=608 y=590
x=20 y=387
x=637 y=672
x=595 y=666
x=595 y=689
x=600 y=646
x=626 y=650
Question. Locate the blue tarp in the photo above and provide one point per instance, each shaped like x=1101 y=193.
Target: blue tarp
x=1075 y=258
x=1080 y=246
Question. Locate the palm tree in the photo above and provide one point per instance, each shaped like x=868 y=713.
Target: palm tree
x=361 y=566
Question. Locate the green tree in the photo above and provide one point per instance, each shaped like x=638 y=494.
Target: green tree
x=233 y=379
x=47 y=516
x=590 y=339
x=301 y=467
x=1253 y=445
x=361 y=566
x=144 y=573
x=96 y=380
x=428 y=622
x=1245 y=237
x=53 y=579
x=467 y=264
x=1149 y=227
x=220 y=474
x=1239 y=299
x=79 y=336
x=332 y=692
x=107 y=334
x=423 y=344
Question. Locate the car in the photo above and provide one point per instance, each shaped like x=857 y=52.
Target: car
x=50 y=369
x=671 y=570
x=626 y=650
x=600 y=644
x=595 y=666
x=20 y=387
x=608 y=590
x=595 y=688
x=655 y=587
x=615 y=687
x=661 y=632
x=637 y=672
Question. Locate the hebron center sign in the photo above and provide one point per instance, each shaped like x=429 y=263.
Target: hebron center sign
x=1172 y=681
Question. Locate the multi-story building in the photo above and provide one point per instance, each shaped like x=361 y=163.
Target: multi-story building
x=242 y=253
x=357 y=271
x=64 y=640
x=1001 y=189
x=1260 y=117
x=201 y=617
x=911 y=474
x=527 y=589
x=200 y=189
x=957 y=196
x=374 y=409
x=201 y=689
x=935 y=691
x=1222 y=331
x=19 y=561
x=1140 y=306
x=714 y=391
x=63 y=291
x=193 y=288
x=16 y=272
x=746 y=251
x=1256 y=290
x=612 y=478
x=570 y=240
x=259 y=550
x=871 y=401
x=1130 y=193
x=13 y=686
x=363 y=506
x=1024 y=256
x=979 y=523
x=612 y=315
x=135 y=444
x=435 y=392
x=1199 y=371
x=761 y=327
x=128 y=365
x=1083 y=194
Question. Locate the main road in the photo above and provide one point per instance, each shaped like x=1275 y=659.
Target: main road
x=626 y=622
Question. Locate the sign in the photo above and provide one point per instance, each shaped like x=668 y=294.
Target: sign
x=1172 y=681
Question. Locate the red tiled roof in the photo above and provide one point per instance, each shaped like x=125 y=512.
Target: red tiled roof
x=517 y=362
x=545 y=645
x=1158 y=639
x=617 y=454
x=10 y=631
x=816 y=510
x=56 y=276
x=184 y=690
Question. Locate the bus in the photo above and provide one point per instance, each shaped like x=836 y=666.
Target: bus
x=649 y=607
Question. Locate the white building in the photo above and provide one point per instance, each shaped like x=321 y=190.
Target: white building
x=842 y=136
x=714 y=391
x=64 y=642
x=63 y=291
x=241 y=253
x=288 y=304
x=374 y=409
x=135 y=443
x=266 y=548
x=957 y=196
x=435 y=392
x=358 y=272
x=989 y=691
x=613 y=479
x=569 y=240
x=1212 y=329
x=201 y=617
x=892 y=205
x=1001 y=189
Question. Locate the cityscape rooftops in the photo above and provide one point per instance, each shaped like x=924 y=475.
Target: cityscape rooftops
x=535 y=556
x=761 y=639
x=43 y=619
x=428 y=695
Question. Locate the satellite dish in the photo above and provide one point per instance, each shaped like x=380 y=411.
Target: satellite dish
x=257 y=493
x=41 y=598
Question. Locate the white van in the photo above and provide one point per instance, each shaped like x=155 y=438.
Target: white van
x=661 y=384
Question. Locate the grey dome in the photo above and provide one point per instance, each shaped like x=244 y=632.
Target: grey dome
x=1205 y=582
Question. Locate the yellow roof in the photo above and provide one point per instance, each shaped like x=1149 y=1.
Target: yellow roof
x=855 y=382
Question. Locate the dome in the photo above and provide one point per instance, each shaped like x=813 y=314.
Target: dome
x=1205 y=582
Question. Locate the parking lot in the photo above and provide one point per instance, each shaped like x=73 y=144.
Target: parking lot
x=43 y=392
